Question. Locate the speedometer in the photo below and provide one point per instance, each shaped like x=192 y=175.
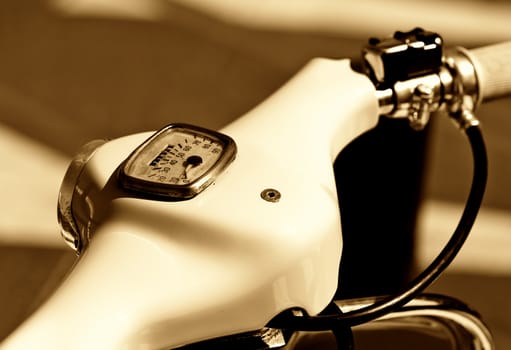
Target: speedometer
x=179 y=161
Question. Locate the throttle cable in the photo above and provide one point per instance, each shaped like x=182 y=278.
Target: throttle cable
x=290 y=321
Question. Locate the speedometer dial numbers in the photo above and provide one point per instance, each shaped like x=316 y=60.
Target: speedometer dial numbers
x=179 y=161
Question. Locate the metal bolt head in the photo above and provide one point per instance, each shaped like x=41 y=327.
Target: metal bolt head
x=270 y=195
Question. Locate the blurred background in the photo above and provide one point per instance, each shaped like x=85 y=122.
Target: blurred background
x=76 y=70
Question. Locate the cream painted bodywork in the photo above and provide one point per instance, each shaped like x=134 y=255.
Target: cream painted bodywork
x=162 y=274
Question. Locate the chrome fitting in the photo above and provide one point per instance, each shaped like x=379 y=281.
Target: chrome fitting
x=463 y=97
x=464 y=119
x=451 y=86
x=420 y=107
x=414 y=99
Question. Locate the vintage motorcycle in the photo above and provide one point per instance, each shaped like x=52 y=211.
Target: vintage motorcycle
x=190 y=238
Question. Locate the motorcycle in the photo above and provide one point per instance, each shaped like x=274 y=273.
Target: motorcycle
x=190 y=238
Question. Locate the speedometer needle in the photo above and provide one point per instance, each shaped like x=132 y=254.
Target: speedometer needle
x=189 y=163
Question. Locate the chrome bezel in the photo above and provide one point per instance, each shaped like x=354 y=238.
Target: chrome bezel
x=177 y=191
x=69 y=228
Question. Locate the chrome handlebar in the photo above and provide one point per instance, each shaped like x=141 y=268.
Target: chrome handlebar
x=456 y=81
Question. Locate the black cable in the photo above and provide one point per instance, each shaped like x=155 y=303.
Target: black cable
x=428 y=276
x=343 y=335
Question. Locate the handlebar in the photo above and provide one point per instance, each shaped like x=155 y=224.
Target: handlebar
x=493 y=67
x=414 y=77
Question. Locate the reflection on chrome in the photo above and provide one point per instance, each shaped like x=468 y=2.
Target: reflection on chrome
x=429 y=322
x=443 y=319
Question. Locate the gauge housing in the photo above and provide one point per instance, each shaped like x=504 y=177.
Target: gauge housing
x=177 y=162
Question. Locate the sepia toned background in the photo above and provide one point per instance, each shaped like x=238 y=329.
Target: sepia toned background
x=76 y=70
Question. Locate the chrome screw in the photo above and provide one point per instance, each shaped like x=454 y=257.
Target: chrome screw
x=270 y=195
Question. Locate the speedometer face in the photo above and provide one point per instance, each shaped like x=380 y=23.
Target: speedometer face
x=183 y=158
x=178 y=161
